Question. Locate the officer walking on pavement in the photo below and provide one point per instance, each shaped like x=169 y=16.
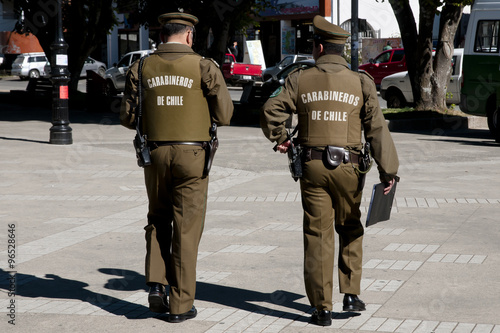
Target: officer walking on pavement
x=334 y=105
x=184 y=94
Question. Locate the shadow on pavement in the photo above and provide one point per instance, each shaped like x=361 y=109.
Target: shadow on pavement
x=54 y=286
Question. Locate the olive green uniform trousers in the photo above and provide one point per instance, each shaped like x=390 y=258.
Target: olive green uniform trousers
x=331 y=199
x=177 y=205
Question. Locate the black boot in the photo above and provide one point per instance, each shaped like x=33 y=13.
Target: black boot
x=321 y=318
x=179 y=318
x=353 y=303
x=158 y=301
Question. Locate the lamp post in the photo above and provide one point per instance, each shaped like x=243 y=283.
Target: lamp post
x=354 y=35
x=60 y=132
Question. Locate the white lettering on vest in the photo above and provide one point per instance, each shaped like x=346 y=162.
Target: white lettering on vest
x=316 y=115
x=170 y=80
x=170 y=100
x=332 y=95
x=329 y=115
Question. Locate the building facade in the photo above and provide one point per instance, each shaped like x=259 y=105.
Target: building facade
x=286 y=27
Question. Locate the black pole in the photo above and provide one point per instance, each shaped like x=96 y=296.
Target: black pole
x=354 y=35
x=60 y=132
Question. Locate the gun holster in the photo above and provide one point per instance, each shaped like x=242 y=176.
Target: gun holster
x=295 y=160
x=142 y=151
x=210 y=150
x=365 y=164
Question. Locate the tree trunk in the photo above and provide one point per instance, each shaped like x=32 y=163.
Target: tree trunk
x=429 y=78
x=218 y=48
x=422 y=87
x=408 y=29
x=86 y=23
x=448 y=24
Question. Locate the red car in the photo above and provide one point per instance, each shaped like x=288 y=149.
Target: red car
x=386 y=63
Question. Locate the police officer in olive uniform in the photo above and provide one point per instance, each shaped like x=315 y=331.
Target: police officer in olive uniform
x=334 y=105
x=183 y=94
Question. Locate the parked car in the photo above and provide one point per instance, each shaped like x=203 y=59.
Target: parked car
x=240 y=73
x=396 y=88
x=260 y=94
x=90 y=65
x=115 y=76
x=386 y=63
x=270 y=71
x=29 y=65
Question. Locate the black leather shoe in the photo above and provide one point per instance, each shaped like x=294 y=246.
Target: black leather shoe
x=157 y=298
x=353 y=303
x=321 y=318
x=178 y=318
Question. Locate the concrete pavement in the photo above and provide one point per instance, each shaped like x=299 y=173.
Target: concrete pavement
x=76 y=213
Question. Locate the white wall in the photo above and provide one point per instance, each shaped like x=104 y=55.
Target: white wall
x=378 y=14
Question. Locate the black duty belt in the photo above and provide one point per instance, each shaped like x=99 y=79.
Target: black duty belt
x=315 y=154
x=155 y=144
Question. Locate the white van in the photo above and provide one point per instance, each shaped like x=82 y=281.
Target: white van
x=29 y=65
x=480 y=92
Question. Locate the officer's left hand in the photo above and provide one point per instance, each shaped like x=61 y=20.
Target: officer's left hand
x=283 y=147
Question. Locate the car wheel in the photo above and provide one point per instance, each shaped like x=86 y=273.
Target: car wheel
x=110 y=89
x=494 y=122
x=395 y=99
x=101 y=71
x=34 y=74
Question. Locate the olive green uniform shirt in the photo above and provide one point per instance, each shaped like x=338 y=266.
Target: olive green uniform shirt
x=332 y=116
x=214 y=94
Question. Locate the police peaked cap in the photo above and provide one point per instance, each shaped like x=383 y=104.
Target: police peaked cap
x=180 y=18
x=329 y=32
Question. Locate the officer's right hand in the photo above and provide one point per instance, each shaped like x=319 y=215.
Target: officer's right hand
x=283 y=147
x=388 y=186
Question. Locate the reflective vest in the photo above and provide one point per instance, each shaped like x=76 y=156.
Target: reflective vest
x=328 y=108
x=174 y=106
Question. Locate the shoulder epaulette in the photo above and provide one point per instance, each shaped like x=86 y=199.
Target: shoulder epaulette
x=366 y=73
x=298 y=69
x=215 y=62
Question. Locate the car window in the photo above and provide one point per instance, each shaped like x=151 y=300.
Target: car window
x=124 y=62
x=283 y=74
x=228 y=59
x=19 y=60
x=384 y=57
x=487 y=36
x=136 y=56
x=453 y=64
x=398 y=55
x=286 y=61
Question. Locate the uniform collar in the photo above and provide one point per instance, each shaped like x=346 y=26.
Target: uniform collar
x=174 y=47
x=332 y=58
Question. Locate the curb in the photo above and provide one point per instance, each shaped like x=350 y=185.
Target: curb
x=445 y=122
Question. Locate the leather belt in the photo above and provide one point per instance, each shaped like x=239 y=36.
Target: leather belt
x=315 y=154
x=155 y=144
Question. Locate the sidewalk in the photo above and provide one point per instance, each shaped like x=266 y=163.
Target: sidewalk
x=77 y=214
